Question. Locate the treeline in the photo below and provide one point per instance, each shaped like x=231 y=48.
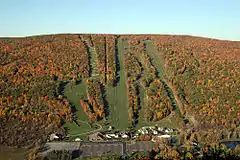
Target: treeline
x=94 y=106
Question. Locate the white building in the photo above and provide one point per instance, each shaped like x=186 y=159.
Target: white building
x=125 y=136
x=107 y=136
x=151 y=127
x=111 y=136
x=144 y=128
x=164 y=136
x=155 y=132
x=167 y=130
x=77 y=139
x=116 y=136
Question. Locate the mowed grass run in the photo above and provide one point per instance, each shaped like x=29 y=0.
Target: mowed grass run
x=73 y=94
x=117 y=97
x=156 y=57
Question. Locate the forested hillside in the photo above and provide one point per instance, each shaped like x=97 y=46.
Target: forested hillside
x=47 y=82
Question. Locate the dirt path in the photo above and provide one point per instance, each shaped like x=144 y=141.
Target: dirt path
x=84 y=122
x=89 y=132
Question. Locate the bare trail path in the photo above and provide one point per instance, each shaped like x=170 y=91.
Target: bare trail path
x=89 y=132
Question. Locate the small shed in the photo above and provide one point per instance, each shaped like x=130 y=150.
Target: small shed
x=78 y=139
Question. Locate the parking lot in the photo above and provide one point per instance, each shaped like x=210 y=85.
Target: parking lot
x=84 y=149
x=139 y=146
x=101 y=149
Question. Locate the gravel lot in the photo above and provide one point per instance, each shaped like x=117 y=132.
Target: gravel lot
x=101 y=149
x=139 y=146
x=98 y=149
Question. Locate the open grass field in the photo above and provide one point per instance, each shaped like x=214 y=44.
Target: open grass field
x=73 y=94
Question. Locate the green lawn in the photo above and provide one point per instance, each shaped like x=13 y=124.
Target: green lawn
x=73 y=94
x=93 y=61
x=74 y=130
x=169 y=122
x=156 y=58
x=117 y=97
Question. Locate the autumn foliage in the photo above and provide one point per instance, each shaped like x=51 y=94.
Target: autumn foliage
x=204 y=73
x=94 y=106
